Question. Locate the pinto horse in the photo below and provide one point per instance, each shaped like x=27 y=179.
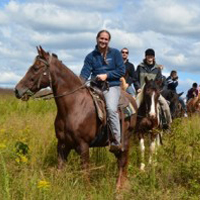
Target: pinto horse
x=76 y=123
x=148 y=118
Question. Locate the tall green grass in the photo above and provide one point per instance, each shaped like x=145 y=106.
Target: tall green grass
x=28 y=161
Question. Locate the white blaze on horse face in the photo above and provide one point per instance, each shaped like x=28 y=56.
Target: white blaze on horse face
x=152 y=112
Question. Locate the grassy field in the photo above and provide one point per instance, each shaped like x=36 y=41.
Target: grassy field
x=28 y=161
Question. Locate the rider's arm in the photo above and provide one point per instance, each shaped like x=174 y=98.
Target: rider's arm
x=119 y=68
x=131 y=72
x=136 y=80
x=87 y=68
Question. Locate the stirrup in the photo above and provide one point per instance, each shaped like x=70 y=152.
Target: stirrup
x=115 y=148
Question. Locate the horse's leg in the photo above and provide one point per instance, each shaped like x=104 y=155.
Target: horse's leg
x=63 y=151
x=63 y=147
x=152 y=148
x=122 y=160
x=83 y=150
x=142 y=149
x=159 y=138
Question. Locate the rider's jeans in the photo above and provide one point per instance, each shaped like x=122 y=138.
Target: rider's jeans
x=182 y=104
x=165 y=108
x=112 y=100
x=130 y=90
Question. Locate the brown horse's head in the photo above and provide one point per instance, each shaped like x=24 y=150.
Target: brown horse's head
x=151 y=94
x=36 y=78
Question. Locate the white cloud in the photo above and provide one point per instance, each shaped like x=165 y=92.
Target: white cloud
x=3 y=18
x=167 y=17
x=68 y=28
x=91 y=5
x=50 y=17
x=9 y=77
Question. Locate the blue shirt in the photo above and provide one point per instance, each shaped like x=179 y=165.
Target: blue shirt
x=113 y=66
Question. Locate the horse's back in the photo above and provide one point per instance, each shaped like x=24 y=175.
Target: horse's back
x=130 y=98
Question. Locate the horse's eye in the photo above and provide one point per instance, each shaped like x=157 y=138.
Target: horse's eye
x=148 y=90
x=36 y=68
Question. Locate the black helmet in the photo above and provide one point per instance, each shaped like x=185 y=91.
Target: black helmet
x=150 y=52
x=194 y=85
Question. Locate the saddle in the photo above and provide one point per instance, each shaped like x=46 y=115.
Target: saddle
x=97 y=94
x=125 y=109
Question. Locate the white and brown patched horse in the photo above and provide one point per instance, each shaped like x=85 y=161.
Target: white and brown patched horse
x=148 y=118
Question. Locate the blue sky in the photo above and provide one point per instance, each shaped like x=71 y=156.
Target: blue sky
x=68 y=28
x=3 y=2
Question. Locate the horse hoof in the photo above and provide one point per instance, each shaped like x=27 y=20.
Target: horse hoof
x=60 y=167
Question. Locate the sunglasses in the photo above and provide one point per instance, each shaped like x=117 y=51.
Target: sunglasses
x=126 y=52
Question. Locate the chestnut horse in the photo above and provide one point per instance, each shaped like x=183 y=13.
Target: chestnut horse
x=76 y=123
x=148 y=118
x=193 y=105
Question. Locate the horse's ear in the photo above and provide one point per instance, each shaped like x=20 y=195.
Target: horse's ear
x=43 y=53
x=38 y=50
x=146 y=79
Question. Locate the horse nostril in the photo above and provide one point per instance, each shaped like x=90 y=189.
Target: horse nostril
x=152 y=115
x=17 y=93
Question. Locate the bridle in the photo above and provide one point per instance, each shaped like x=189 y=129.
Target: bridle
x=145 y=114
x=46 y=71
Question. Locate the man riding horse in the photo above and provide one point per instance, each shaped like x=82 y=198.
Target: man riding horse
x=172 y=83
x=150 y=69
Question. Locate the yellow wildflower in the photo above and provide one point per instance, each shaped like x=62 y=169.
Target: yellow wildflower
x=24 y=159
x=21 y=159
x=2 y=131
x=42 y=184
x=2 y=146
x=17 y=160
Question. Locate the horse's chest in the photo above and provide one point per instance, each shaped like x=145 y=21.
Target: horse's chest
x=146 y=124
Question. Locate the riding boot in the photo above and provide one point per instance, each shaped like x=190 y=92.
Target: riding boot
x=115 y=147
x=165 y=125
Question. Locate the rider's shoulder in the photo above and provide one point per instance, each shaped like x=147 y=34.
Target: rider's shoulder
x=142 y=64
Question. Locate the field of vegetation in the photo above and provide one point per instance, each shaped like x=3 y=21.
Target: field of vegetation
x=28 y=161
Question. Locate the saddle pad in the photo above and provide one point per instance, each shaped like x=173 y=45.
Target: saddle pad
x=129 y=110
x=123 y=101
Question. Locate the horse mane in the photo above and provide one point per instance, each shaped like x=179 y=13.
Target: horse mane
x=65 y=67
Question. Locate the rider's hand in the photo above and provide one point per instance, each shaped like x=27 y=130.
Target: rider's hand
x=139 y=90
x=175 y=78
x=101 y=77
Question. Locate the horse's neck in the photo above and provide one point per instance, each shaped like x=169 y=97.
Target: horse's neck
x=143 y=109
x=63 y=79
